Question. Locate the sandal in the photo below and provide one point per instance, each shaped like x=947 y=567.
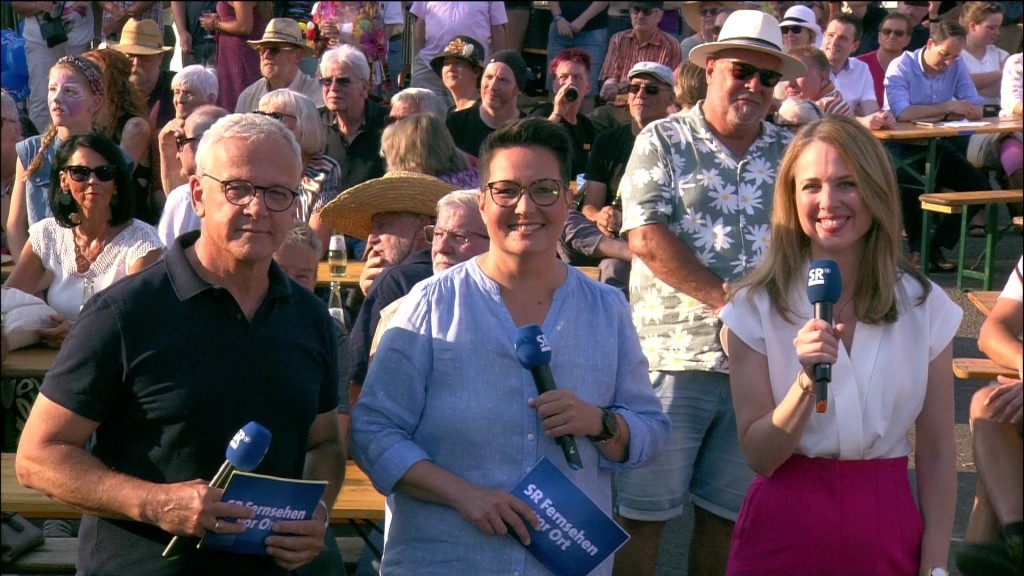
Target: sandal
x=976 y=230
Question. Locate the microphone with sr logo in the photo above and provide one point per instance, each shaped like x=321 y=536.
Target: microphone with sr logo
x=244 y=452
x=535 y=355
x=824 y=285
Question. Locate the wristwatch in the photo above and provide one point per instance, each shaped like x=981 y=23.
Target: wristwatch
x=939 y=571
x=609 y=427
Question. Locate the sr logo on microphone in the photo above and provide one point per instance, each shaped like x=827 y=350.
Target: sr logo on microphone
x=816 y=276
x=239 y=438
x=542 y=341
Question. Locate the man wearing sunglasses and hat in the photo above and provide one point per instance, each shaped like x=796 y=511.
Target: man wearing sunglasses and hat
x=281 y=50
x=696 y=209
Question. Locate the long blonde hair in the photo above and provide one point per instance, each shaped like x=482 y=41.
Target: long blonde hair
x=421 y=143
x=874 y=296
x=92 y=79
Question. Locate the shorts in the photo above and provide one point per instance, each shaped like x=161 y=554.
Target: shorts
x=702 y=459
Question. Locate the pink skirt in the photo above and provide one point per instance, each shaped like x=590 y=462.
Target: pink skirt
x=819 y=516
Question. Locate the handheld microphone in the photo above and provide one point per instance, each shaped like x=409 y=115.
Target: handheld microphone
x=535 y=355
x=244 y=452
x=824 y=285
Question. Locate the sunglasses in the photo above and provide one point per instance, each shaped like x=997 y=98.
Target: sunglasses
x=744 y=72
x=648 y=89
x=274 y=50
x=644 y=11
x=279 y=116
x=180 y=142
x=891 y=32
x=104 y=173
x=792 y=29
x=341 y=81
x=708 y=12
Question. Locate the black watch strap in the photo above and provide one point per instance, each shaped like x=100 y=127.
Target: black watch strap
x=609 y=427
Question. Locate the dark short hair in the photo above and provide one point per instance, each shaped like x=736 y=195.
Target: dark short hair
x=531 y=132
x=845 y=18
x=121 y=211
x=900 y=17
x=942 y=31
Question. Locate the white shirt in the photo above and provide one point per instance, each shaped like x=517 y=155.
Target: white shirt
x=991 y=62
x=55 y=246
x=877 y=389
x=856 y=84
x=178 y=216
x=1013 y=289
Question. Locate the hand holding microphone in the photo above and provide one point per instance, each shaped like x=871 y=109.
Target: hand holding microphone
x=824 y=286
x=244 y=452
x=535 y=355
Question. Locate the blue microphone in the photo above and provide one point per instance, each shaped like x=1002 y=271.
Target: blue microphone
x=824 y=285
x=245 y=452
x=535 y=355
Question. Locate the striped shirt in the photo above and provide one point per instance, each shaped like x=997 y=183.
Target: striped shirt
x=626 y=50
x=832 y=102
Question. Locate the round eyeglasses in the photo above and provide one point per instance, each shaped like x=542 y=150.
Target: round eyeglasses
x=543 y=192
x=241 y=193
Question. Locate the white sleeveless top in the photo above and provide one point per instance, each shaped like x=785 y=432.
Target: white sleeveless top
x=55 y=246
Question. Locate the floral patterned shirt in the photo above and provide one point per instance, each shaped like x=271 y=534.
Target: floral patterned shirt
x=680 y=175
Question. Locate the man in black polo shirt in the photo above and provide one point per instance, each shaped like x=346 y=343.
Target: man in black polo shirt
x=163 y=368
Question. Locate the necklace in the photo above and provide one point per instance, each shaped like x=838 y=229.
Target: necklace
x=84 y=257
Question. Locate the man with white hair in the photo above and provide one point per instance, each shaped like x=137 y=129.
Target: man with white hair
x=193 y=86
x=281 y=51
x=696 y=204
x=354 y=121
x=161 y=371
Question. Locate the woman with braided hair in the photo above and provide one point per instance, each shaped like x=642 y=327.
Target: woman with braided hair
x=74 y=98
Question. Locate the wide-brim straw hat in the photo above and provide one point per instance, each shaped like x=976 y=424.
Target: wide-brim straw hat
x=141 y=37
x=754 y=31
x=283 y=31
x=691 y=11
x=464 y=48
x=398 y=191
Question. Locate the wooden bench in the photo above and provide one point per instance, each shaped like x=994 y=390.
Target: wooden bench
x=953 y=203
x=58 y=556
x=979 y=369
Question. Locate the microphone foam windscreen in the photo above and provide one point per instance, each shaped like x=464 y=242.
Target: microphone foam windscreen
x=532 y=347
x=247 y=448
x=823 y=282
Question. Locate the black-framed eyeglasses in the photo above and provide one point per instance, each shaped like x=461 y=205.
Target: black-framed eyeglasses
x=241 y=193
x=330 y=81
x=891 y=32
x=792 y=29
x=180 y=142
x=744 y=72
x=644 y=11
x=274 y=49
x=649 y=89
x=279 y=116
x=708 y=12
x=458 y=237
x=104 y=173
x=543 y=192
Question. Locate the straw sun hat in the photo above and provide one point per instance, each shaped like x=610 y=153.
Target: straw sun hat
x=141 y=37
x=350 y=213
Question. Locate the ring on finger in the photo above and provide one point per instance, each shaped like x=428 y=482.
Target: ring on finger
x=216 y=526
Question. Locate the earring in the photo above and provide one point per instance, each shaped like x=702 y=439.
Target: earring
x=64 y=199
x=114 y=201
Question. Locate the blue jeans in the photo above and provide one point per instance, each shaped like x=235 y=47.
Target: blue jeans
x=595 y=42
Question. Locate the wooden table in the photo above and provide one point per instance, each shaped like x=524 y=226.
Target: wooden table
x=31 y=362
x=928 y=137
x=358 y=501
x=350 y=280
x=984 y=300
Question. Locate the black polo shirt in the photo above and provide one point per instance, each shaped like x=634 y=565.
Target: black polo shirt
x=609 y=157
x=171 y=368
x=468 y=129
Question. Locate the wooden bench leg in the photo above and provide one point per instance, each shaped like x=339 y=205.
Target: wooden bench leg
x=926 y=226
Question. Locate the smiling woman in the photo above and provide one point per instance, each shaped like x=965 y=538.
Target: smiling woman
x=92 y=240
